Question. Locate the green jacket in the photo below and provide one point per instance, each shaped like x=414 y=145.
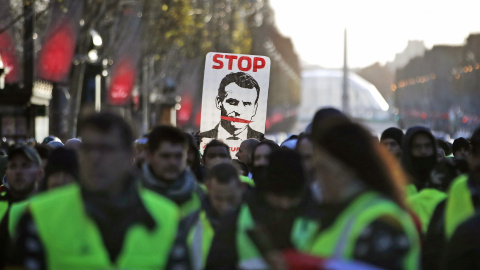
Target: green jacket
x=424 y=203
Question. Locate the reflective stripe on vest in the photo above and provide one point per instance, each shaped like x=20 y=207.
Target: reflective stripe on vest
x=249 y=257
x=72 y=240
x=459 y=205
x=199 y=241
x=338 y=241
x=16 y=212
x=424 y=203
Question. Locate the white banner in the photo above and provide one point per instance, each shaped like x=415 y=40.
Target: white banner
x=234 y=101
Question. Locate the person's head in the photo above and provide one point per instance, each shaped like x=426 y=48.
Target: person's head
x=304 y=147
x=167 y=152
x=461 y=148
x=24 y=171
x=61 y=169
x=106 y=154
x=321 y=116
x=474 y=158
x=140 y=146
x=392 y=139
x=345 y=153
x=443 y=149
x=44 y=152
x=73 y=143
x=290 y=143
x=262 y=151
x=54 y=145
x=446 y=171
x=216 y=152
x=419 y=155
x=193 y=155
x=285 y=184
x=245 y=150
x=51 y=138
x=224 y=187
x=237 y=100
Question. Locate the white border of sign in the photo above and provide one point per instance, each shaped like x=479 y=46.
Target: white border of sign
x=216 y=68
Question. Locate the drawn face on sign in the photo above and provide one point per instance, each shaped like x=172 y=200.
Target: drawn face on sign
x=237 y=108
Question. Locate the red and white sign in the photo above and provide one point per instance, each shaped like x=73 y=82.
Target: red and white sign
x=234 y=100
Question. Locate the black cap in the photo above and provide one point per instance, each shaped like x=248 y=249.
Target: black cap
x=27 y=151
x=393 y=133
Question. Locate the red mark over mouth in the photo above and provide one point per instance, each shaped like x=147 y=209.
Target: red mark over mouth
x=233 y=119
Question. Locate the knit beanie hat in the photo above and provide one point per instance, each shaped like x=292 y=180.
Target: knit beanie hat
x=393 y=133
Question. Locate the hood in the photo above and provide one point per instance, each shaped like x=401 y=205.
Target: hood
x=409 y=163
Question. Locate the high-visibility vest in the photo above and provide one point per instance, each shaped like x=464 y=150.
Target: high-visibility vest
x=3 y=209
x=73 y=241
x=249 y=256
x=246 y=180
x=199 y=240
x=459 y=206
x=411 y=190
x=338 y=241
x=194 y=203
x=16 y=211
x=424 y=203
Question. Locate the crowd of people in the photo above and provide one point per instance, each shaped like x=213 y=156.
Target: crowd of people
x=333 y=197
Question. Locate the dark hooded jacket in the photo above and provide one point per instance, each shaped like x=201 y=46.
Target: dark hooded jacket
x=418 y=168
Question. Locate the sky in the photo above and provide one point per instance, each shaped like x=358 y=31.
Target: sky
x=376 y=29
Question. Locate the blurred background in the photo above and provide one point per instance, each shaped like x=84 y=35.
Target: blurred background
x=386 y=64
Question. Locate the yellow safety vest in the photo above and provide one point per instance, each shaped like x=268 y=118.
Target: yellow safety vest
x=338 y=241
x=73 y=241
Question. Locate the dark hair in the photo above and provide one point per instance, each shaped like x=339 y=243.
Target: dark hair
x=223 y=173
x=301 y=137
x=459 y=143
x=61 y=160
x=241 y=79
x=43 y=150
x=273 y=146
x=393 y=133
x=213 y=143
x=353 y=146
x=166 y=133
x=446 y=171
x=475 y=141
x=445 y=146
x=106 y=122
x=285 y=174
x=196 y=167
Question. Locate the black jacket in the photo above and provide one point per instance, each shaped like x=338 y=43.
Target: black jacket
x=410 y=164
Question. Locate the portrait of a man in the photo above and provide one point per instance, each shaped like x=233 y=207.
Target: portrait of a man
x=237 y=100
